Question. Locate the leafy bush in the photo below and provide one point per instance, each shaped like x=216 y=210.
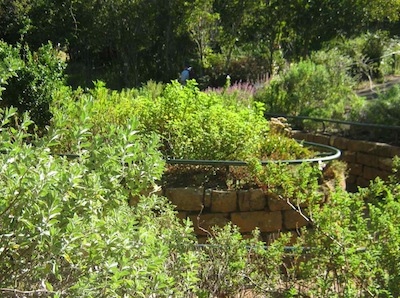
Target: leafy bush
x=352 y=242
x=383 y=110
x=135 y=253
x=31 y=89
x=67 y=229
x=198 y=125
x=367 y=53
x=10 y=63
x=75 y=130
x=231 y=265
x=191 y=124
x=308 y=89
x=350 y=248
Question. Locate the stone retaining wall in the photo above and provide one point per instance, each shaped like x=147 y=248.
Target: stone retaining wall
x=247 y=209
x=253 y=208
x=365 y=160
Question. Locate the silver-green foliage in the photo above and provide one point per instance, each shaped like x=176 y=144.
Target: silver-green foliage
x=10 y=63
x=354 y=245
x=384 y=109
x=310 y=89
x=198 y=125
x=66 y=229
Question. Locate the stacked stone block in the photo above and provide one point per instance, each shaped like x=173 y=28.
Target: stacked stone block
x=247 y=209
x=253 y=208
x=365 y=160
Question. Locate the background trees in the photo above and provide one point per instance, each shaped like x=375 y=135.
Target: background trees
x=126 y=43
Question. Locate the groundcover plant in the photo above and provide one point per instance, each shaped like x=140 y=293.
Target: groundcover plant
x=67 y=229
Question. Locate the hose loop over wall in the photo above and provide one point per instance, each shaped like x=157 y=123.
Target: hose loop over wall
x=332 y=154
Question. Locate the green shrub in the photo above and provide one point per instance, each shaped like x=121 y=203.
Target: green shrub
x=134 y=253
x=67 y=229
x=309 y=89
x=10 y=63
x=191 y=124
x=370 y=54
x=351 y=243
x=232 y=265
x=37 y=77
x=385 y=109
x=198 y=125
x=116 y=144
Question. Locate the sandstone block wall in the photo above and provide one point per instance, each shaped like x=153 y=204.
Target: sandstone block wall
x=365 y=160
x=247 y=209
x=253 y=208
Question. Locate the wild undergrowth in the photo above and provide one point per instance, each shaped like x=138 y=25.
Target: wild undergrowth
x=67 y=230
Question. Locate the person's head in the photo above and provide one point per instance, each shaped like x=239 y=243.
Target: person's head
x=189 y=68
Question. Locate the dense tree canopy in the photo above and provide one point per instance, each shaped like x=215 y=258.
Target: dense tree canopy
x=130 y=42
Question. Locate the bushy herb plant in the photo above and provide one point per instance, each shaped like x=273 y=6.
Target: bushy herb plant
x=10 y=63
x=307 y=89
x=384 y=109
x=67 y=230
x=31 y=82
x=198 y=125
x=350 y=247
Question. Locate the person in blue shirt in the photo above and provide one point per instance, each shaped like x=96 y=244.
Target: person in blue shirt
x=185 y=75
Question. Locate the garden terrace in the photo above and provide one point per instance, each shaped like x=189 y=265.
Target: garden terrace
x=213 y=193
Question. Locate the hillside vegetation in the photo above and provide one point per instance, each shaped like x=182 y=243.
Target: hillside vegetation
x=91 y=110
x=67 y=229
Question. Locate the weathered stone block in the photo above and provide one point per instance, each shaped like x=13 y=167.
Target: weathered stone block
x=348 y=156
x=355 y=169
x=223 y=201
x=321 y=139
x=300 y=135
x=276 y=204
x=351 y=179
x=338 y=142
x=395 y=151
x=371 y=173
x=293 y=220
x=386 y=164
x=367 y=159
x=181 y=215
x=386 y=150
x=252 y=200
x=362 y=182
x=265 y=221
x=361 y=146
x=186 y=199
x=383 y=163
x=205 y=222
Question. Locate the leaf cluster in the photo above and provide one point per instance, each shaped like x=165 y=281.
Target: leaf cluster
x=31 y=80
x=309 y=89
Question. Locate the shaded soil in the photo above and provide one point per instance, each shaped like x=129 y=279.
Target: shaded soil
x=224 y=177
